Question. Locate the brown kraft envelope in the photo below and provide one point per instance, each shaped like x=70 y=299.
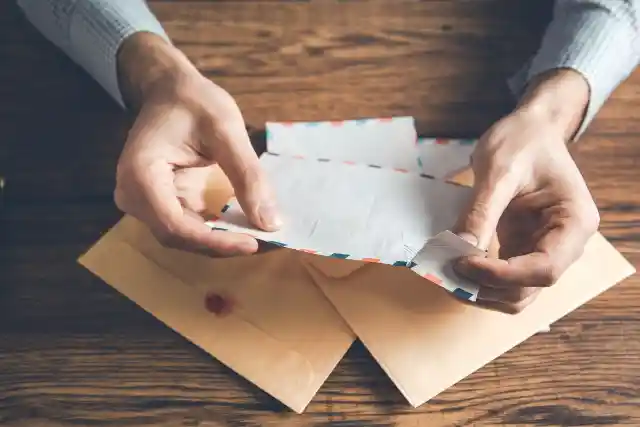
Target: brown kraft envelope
x=425 y=340
x=279 y=331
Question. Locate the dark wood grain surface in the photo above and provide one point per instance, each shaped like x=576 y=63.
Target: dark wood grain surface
x=73 y=352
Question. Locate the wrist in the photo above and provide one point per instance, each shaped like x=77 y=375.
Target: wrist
x=146 y=62
x=558 y=98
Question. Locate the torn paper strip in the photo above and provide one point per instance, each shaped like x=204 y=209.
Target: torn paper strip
x=435 y=263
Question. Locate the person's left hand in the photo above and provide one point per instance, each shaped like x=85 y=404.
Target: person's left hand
x=188 y=137
x=530 y=192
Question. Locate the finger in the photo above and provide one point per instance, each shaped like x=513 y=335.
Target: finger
x=505 y=307
x=508 y=307
x=565 y=242
x=240 y=163
x=225 y=244
x=512 y=295
x=177 y=227
x=265 y=247
x=499 y=306
x=194 y=235
x=490 y=198
x=531 y=270
x=555 y=252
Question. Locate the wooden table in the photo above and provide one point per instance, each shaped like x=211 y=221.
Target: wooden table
x=74 y=352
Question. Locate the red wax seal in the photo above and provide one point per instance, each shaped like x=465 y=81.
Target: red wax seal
x=217 y=304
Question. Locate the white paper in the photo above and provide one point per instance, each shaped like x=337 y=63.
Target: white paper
x=442 y=158
x=365 y=190
x=435 y=263
x=352 y=211
x=384 y=142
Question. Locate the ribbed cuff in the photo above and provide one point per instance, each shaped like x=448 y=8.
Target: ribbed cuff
x=98 y=28
x=599 y=42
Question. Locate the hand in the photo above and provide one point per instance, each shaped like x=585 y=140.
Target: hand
x=185 y=125
x=530 y=192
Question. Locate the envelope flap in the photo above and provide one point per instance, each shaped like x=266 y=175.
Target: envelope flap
x=280 y=370
x=260 y=287
x=332 y=267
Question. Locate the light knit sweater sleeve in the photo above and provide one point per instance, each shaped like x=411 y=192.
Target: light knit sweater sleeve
x=91 y=31
x=600 y=39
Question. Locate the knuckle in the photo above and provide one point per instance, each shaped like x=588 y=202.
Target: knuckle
x=128 y=175
x=550 y=275
x=587 y=217
x=592 y=220
x=476 y=216
x=479 y=209
x=251 y=177
x=222 y=113
x=119 y=193
x=227 y=109
x=128 y=184
x=208 y=104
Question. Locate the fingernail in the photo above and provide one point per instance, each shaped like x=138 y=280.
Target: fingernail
x=269 y=216
x=469 y=238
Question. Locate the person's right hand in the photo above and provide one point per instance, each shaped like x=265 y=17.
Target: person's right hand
x=185 y=125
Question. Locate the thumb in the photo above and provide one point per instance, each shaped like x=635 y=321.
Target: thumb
x=478 y=222
x=240 y=163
